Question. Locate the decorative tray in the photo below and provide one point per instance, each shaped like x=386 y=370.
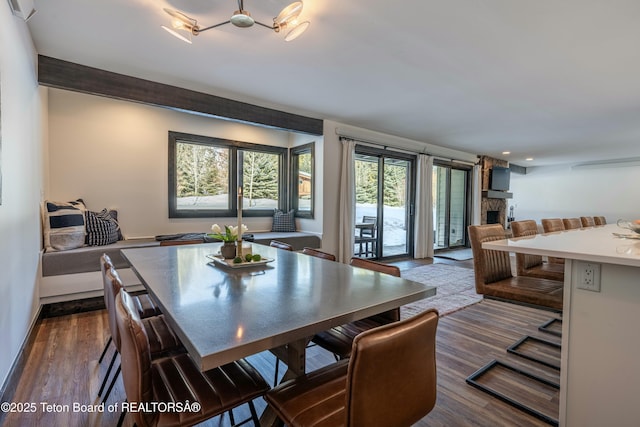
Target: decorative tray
x=627 y=236
x=218 y=260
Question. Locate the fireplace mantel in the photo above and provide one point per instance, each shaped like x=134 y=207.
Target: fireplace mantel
x=493 y=194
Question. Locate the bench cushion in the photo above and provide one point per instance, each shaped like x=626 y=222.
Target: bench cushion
x=298 y=239
x=87 y=258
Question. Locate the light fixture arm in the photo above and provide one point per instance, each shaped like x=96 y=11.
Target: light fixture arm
x=196 y=30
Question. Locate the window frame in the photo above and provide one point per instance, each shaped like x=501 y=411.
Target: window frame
x=294 y=153
x=235 y=175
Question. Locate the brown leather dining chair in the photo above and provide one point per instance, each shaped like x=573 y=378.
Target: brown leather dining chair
x=493 y=276
x=600 y=220
x=176 y=379
x=180 y=242
x=144 y=303
x=160 y=335
x=339 y=339
x=390 y=380
x=533 y=265
x=572 y=223
x=146 y=306
x=552 y=225
x=318 y=254
x=281 y=245
x=587 y=221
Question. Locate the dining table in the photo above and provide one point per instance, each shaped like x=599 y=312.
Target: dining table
x=223 y=311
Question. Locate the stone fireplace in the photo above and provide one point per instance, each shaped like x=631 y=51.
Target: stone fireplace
x=493 y=210
x=493 y=217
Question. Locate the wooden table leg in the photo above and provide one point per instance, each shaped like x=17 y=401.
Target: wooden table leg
x=294 y=355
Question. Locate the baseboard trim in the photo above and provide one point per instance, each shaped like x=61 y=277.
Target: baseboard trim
x=10 y=384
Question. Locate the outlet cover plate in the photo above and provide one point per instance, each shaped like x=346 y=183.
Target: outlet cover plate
x=589 y=276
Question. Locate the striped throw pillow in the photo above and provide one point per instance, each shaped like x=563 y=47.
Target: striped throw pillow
x=102 y=228
x=63 y=225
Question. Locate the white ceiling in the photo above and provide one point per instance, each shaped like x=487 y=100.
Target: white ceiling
x=558 y=81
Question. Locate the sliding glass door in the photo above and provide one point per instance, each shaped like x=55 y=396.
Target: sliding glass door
x=451 y=205
x=384 y=203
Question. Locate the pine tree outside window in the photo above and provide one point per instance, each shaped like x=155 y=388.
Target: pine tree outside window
x=205 y=172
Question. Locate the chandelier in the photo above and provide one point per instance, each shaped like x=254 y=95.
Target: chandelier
x=183 y=27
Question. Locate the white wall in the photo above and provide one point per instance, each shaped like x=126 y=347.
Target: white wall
x=114 y=154
x=21 y=169
x=562 y=192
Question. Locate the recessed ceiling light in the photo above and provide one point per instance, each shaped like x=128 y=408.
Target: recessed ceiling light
x=506 y=153
x=528 y=159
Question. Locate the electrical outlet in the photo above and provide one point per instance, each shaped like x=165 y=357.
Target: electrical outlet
x=589 y=276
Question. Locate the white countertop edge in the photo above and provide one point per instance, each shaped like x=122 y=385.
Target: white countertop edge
x=597 y=244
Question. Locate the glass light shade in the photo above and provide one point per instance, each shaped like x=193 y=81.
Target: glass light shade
x=296 y=31
x=181 y=25
x=185 y=38
x=288 y=13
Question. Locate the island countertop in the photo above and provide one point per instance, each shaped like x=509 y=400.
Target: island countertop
x=595 y=244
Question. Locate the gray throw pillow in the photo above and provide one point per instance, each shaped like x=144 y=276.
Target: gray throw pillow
x=283 y=222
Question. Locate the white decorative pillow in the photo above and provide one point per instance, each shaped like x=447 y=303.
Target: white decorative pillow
x=63 y=225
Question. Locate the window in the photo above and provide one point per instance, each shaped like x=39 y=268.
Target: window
x=205 y=172
x=302 y=180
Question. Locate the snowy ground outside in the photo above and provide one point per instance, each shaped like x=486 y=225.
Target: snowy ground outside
x=394 y=235
x=394 y=229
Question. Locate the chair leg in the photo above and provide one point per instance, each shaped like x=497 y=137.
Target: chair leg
x=106 y=346
x=121 y=419
x=275 y=376
x=254 y=414
x=231 y=418
x=113 y=381
x=106 y=376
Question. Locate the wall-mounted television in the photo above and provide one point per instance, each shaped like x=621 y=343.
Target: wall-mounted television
x=500 y=178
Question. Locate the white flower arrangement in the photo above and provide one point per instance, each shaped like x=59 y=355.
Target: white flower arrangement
x=230 y=233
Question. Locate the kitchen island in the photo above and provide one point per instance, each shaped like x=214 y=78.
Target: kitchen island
x=600 y=366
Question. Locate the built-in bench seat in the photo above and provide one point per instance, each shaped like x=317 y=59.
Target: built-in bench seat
x=87 y=258
x=75 y=273
x=298 y=239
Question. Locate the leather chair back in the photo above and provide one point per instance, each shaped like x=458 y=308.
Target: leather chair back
x=318 y=254
x=105 y=264
x=391 y=315
x=112 y=286
x=600 y=220
x=281 y=245
x=489 y=266
x=571 y=223
x=552 y=225
x=135 y=358
x=523 y=229
x=391 y=379
x=587 y=221
x=375 y=266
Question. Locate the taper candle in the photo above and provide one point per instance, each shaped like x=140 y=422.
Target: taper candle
x=239 y=214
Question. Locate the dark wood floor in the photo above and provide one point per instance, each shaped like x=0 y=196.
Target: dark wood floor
x=63 y=368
